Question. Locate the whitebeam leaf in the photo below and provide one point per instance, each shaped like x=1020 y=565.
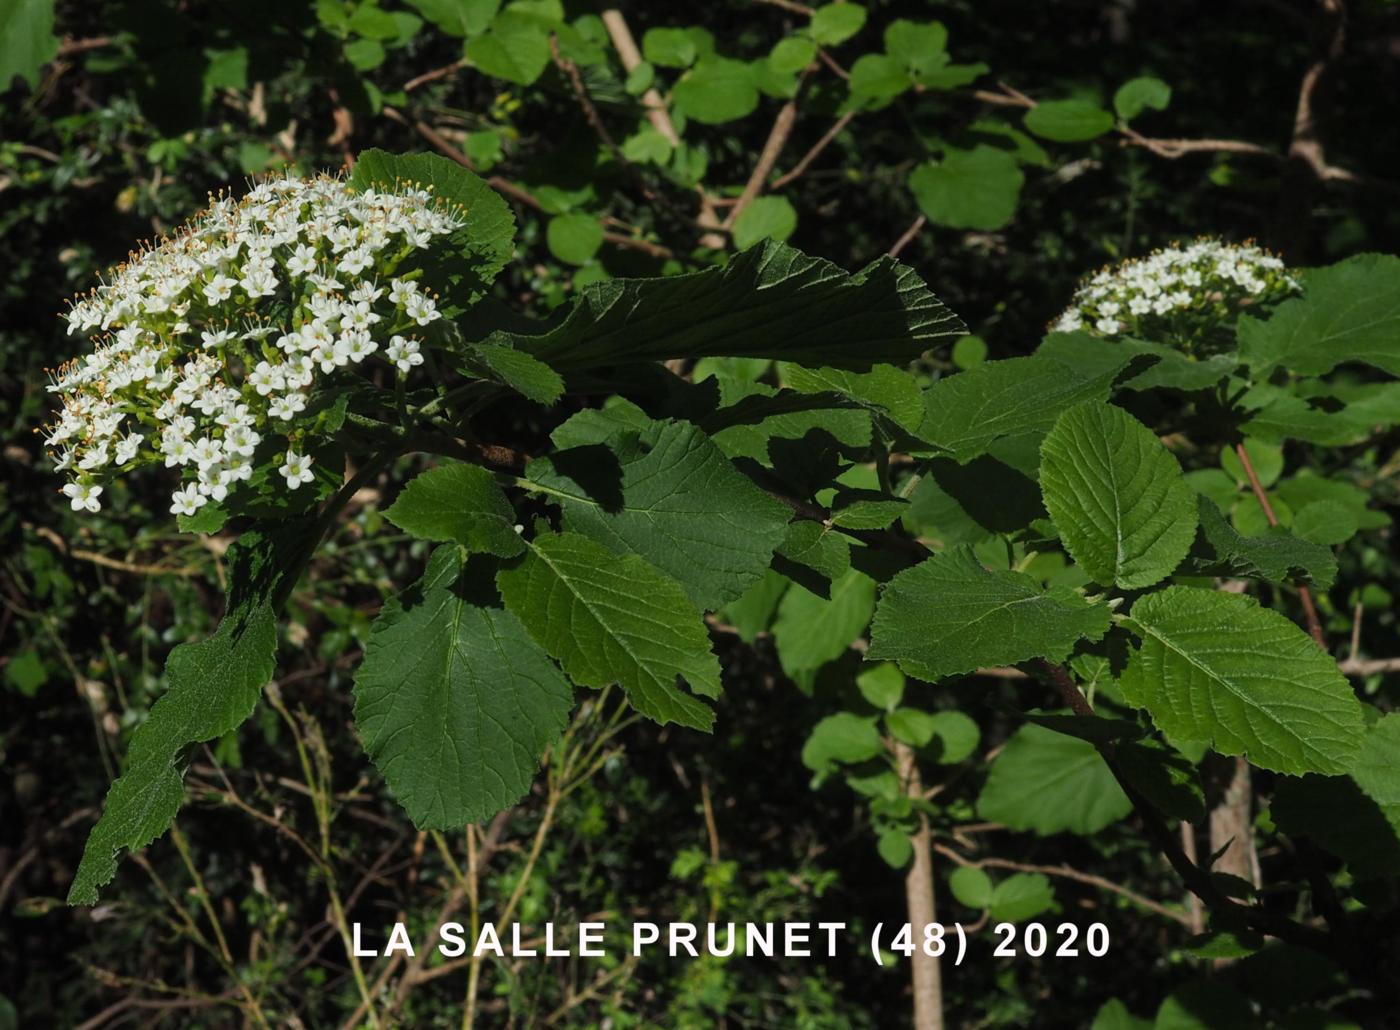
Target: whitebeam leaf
x=673 y=498
x=1124 y=511
x=454 y=702
x=612 y=618
x=950 y=615
x=1217 y=668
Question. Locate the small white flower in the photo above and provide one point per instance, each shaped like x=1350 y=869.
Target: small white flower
x=219 y=289
x=214 y=339
x=421 y=309
x=206 y=452
x=83 y=495
x=187 y=501
x=303 y=261
x=126 y=449
x=296 y=470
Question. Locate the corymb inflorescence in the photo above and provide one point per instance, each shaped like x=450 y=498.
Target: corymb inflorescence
x=1182 y=294
x=210 y=347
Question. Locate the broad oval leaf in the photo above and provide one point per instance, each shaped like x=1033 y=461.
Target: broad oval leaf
x=671 y=496
x=1217 y=668
x=1117 y=496
x=458 y=502
x=1050 y=782
x=950 y=615
x=611 y=618
x=454 y=702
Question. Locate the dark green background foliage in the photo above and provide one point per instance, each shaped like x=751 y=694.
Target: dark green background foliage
x=1038 y=143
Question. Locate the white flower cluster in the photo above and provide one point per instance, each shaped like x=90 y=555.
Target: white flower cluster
x=210 y=344
x=1176 y=289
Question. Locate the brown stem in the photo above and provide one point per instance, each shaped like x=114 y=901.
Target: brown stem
x=815 y=152
x=920 y=902
x=1304 y=594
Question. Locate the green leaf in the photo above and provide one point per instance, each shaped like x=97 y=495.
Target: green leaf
x=751 y=614
x=792 y=54
x=1172 y=369
x=574 y=237
x=515 y=48
x=1339 y=816
x=921 y=48
x=842 y=738
x=969 y=189
x=966 y=413
x=1348 y=312
x=213 y=687
x=458 y=17
x=956 y=737
x=1164 y=777
x=461 y=503
x=910 y=726
x=454 y=702
x=647 y=145
x=1049 y=782
x=1205 y=1005
x=876 y=79
x=1276 y=556
x=486 y=241
x=717 y=90
x=1114 y=1015
x=882 y=684
x=971 y=886
x=866 y=509
x=1326 y=523
x=1068 y=121
x=364 y=54
x=1267 y=460
x=950 y=615
x=895 y=847
x=884 y=388
x=669 y=48
x=817 y=547
x=672 y=497
x=1376 y=770
x=526 y=375
x=1117 y=496
x=1217 y=668
x=766 y=218
x=27 y=42
x=770 y=301
x=1021 y=897
x=835 y=23
x=811 y=630
x=1137 y=95
x=610 y=618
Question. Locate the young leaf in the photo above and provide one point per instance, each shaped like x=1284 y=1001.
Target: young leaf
x=1050 y=782
x=1116 y=495
x=881 y=684
x=844 y=737
x=769 y=301
x=950 y=615
x=964 y=414
x=765 y=218
x=1020 y=897
x=458 y=502
x=1217 y=668
x=817 y=547
x=1068 y=121
x=610 y=618
x=969 y=189
x=971 y=886
x=1136 y=95
x=214 y=685
x=1276 y=556
x=1349 y=311
x=717 y=90
x=454 y=702
x=671 y=496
